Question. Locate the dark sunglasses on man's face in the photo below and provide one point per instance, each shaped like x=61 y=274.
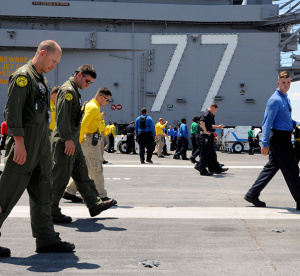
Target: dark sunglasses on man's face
x=88 y=81
x=107 y=100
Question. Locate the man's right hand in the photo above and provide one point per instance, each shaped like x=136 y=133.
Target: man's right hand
x=20 y=153
x=69 y=147
x=264 y=151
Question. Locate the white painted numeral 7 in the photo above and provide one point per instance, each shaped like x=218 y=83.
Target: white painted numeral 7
x=231 y=41
x=181 y=41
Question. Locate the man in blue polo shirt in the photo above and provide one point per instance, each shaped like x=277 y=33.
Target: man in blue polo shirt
x=183 y=141
x=277 y=128
x=144 y=128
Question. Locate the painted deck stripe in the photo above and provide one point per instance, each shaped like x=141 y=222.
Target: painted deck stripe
x=176 y=167
x=169 y=166
x=175 y=212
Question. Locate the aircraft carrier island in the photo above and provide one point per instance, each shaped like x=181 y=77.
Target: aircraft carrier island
x=173 y=57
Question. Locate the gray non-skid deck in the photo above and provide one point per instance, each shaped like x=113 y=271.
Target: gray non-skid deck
x=169 y=221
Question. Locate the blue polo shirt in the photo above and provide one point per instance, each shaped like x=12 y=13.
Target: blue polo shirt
x=278 y=115
x=149 y=125
x=171 y=132
x=183 y=131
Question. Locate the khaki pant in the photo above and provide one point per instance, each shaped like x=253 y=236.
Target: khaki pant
x=94 y=158
x=160 y=142
x=102 y=144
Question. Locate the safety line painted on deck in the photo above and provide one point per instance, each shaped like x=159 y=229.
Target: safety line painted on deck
x=174 y=212
x=169 y=166
x=176 y=167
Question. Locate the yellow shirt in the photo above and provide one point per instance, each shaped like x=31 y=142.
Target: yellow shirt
x=159 y=129
x=91 y=119
x=52 y=110
x=107 y=130
x=102 y=127
x=112 y=130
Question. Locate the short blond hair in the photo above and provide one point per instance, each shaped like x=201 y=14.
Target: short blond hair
x=284 y=75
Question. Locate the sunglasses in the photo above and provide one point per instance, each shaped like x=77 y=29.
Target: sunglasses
x=88 y=81
x=107 y=100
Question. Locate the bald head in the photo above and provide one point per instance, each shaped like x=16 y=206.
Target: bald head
x=50 y=46
x=47 y=56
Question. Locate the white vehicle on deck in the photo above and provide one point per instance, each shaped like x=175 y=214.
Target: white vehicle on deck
x=236 y=139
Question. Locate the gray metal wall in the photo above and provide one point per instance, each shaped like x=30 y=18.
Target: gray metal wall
x=116 y=37
x=254 y=63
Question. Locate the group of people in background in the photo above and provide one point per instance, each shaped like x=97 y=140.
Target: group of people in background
x=203 y=138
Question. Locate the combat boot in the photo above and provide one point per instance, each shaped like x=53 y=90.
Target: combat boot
x=4 y=252
x=101 y=207
x=61 y=247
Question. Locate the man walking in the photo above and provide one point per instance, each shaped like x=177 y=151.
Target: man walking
x=183 y=142
x=90 y=143
x=171 y=134
x=277 y=128
x=144 y=128
x=250 y=140
x=194 y=132
x=68 y=157
x=160 y=138
x=28 y=155
x=111 y=138
x=208 y=157
x=130 y=143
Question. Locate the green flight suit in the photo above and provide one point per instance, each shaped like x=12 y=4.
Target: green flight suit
x=26 y=114
x=67 y=117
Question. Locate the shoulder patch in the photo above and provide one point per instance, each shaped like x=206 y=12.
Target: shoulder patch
x=21 y=81
x=69 y=97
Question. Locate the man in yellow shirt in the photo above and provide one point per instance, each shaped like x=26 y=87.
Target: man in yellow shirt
x=89 y=139
x=160 y=138
x=103 y=135
x=111 y=137
x=107 y=129
x=53 y=94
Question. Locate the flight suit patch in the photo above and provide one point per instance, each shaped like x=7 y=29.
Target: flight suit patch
x=42 y=88
x=69 y=97
x=21 y=81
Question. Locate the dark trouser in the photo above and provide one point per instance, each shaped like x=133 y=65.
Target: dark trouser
x=145 y=140
x=3 y=139
x=171 y=145
x=130 y=144
x=251 y=145
x=281 y=156
x=174 y=143
x=194 y=143
x=34 y=176
x=65 y=166
x=208 y=156
x=198 y=150
x=182 y=145
x=111 y=144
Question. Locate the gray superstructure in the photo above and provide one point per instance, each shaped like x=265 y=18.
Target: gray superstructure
x=172 y=57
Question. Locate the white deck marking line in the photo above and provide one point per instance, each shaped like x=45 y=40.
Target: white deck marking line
x=175 y=212
x=177 y=167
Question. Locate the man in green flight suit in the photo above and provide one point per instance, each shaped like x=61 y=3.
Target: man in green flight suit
x=251 y=138
x=28 y=155
x=68 y=157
